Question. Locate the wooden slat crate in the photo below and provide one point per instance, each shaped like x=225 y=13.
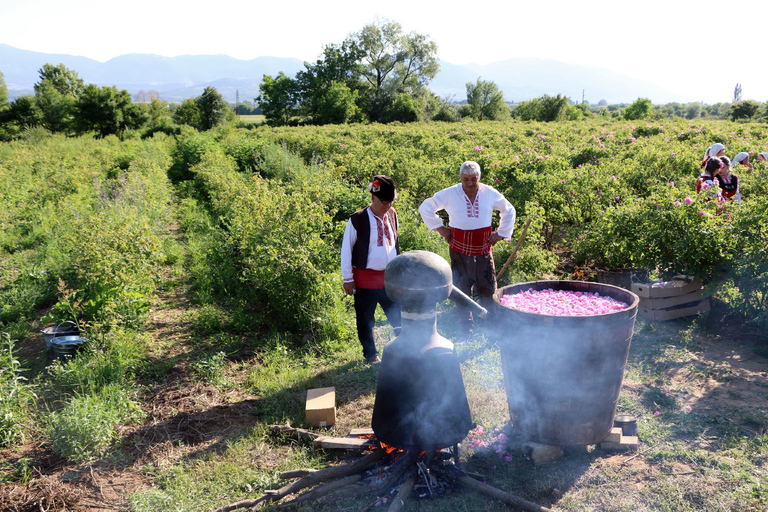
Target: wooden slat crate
x=683 y=298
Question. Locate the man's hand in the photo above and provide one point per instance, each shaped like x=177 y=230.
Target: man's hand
x=349 y=288
x=495 y=237
x=445 y=233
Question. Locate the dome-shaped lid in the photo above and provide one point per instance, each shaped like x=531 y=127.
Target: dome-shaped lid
x=418 y=278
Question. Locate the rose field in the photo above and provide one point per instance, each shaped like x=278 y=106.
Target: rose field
x=202 y=270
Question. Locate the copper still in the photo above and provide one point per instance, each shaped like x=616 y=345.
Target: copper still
x=421 y=402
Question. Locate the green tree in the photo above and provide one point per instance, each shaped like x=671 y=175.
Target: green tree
x=56 y=109
x=337 y=65
x=187 y=113
x=63 y=80
x=486 y=101
x=392 y=63
x=546 y=109
x=3 y=92
x=213 y=108
x=693 y=111
x=55 y=94
x=640 y=109
x=107 y=111
x=337 y=105
x=404 y=109
x=277 y=99
x=23 y=112
x=746 y=109
x=446 y=110
x=554 y=108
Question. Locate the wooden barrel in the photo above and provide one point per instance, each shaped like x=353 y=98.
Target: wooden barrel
x=563 y=374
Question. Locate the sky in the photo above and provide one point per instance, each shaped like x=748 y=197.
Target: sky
x=699 y=50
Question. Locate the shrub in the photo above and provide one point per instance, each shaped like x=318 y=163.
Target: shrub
x=15 y=395
x=86 y=427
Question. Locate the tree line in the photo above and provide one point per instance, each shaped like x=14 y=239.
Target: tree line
x=378 y=74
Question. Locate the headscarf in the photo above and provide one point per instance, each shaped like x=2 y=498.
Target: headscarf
x=711 y=151
x=714 y=149
x=741 y=156
x=765 y=156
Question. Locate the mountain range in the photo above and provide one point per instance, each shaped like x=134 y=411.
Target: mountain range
x=186 y=76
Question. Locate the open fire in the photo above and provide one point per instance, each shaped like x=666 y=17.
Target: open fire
x=385 y=474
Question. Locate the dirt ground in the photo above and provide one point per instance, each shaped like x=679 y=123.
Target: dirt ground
x=723 y=374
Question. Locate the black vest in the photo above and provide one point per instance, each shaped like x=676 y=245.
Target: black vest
x=362 y=225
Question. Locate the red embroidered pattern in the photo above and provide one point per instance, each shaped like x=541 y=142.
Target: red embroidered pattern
x=473 y=209
x=382 y=231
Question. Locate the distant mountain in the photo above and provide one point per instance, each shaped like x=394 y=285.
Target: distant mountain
x=186 y=76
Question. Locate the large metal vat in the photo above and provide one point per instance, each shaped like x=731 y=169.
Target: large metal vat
x=563 y=374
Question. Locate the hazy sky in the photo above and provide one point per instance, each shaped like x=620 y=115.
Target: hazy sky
x=698 y=49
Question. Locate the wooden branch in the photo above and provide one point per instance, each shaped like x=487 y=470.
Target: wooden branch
x=500 y=495
x=296 y=473
x=399 y=502
x=398 y=472
x=640 y=453
x=321 y=490
x=249 y=503
x=300 y=432
x=309 y=480
x=514 y=252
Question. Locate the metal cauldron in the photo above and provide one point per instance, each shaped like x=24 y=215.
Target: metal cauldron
x=420 y=402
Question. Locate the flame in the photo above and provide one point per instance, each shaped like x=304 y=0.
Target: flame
x=390 y=449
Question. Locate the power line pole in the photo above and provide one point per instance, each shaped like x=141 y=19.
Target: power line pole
x=237 y=103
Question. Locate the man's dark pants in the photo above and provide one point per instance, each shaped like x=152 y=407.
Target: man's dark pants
x=365 y=308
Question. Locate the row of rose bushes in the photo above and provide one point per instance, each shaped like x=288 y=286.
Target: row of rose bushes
x=617 y=194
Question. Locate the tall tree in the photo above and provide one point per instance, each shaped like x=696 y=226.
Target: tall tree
x=107 y=111
x=213 y=108
x=55 y=96
x=746 y=109
x=338 y=66
x=486 y=101
x=639 y=109
x=62 y=80
x=392 y=63
x=3 y=92
x=187 y=113
x=277 y=99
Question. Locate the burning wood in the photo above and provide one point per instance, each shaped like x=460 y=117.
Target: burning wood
x=382 y=472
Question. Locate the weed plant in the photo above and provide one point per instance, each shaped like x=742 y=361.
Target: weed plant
x=16 y=396
x=85 y=428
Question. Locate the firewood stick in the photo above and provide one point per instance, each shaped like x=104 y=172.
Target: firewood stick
x=399 y=502
x=287 y=429
x=321 y=490
x=398 y=472
x=296 y=473
x=514 y=252
x=500 y=495
x=311 y=479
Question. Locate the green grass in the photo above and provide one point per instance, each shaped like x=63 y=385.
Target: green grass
x=251 y=119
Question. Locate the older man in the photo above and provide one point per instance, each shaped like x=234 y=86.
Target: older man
x=370 y=242
x=470 y=235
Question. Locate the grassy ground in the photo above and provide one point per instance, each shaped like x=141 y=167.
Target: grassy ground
x=251 y=119
x=697 y=390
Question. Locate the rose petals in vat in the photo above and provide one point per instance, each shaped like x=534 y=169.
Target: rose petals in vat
x=561 y=303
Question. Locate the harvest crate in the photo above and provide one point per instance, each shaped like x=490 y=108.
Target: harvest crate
x=680 y=297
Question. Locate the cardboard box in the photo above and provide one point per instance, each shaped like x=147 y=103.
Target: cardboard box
x=687 y=285
x=321 y=407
